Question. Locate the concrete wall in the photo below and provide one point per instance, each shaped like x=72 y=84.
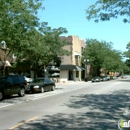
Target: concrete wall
x=63 y=75
x=67 y=59
x=75 y=46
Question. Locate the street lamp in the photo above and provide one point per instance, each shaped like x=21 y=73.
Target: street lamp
x=86 y=61
x=46 y=72
x=3 y=46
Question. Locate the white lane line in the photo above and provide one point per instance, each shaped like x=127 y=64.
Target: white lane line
x=6 y=105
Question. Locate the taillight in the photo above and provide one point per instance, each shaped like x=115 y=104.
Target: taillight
x=26 y=83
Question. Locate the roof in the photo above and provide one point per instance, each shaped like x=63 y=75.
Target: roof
x=71 y=67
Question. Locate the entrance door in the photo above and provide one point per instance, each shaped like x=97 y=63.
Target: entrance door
x=70 y=73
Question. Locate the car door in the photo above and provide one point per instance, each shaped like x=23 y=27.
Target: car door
x=50 y=84
x=46 y=84
x=8 y=87
x=16 y=85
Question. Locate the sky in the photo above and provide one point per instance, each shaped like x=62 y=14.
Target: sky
x=70 y=14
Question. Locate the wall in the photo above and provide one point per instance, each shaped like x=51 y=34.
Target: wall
x=67 y=59
x=75 y=46
x=63 y=75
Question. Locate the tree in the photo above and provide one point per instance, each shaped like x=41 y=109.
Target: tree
x=17 y=17
x=31 y=41
x=104 y=10
x=127 y=53
x=42 y=47
x=102 y=55
x=54 y=44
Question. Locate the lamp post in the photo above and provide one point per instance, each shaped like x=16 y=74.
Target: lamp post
x=46 y=72
x=86 y=61
x=6 y=63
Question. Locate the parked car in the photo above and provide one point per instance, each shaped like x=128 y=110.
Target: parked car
x=29 y=80
x=41 y=85
x=108 y=77
x=104 y=78
x=96 y=79
x=12 y=84
x=114 y=77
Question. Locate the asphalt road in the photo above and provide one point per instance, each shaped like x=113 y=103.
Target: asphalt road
x=73 y=106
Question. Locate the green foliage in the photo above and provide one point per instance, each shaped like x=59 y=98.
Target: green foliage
x=25 y=36
x=16 y=18
x=104 y=10
x=101 y=55
x=127 y=53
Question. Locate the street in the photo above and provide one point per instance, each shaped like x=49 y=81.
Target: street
x=72 y=106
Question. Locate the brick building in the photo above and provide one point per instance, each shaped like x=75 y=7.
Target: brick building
x=71 y=68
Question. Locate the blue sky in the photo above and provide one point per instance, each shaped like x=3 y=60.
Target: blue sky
x=70 y=14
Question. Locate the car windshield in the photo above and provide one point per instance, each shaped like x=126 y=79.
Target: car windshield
x=96 y=77
x=2 y=80
x=37 y=80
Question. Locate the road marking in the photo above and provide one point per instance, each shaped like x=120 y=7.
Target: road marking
x=24 y=122
x=6 y=105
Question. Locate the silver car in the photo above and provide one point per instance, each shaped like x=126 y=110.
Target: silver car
x=96 y=79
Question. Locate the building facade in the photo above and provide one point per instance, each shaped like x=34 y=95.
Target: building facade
x=71 y=68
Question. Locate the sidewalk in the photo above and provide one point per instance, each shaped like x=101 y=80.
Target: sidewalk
x=72 y=82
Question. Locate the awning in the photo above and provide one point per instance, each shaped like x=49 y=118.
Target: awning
x=82 y=68
x=70 y=67
x=77 y=54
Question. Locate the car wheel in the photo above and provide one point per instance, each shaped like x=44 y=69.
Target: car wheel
x=22 y=92
x=53 y=88
x=42 y=90
x=1 y=96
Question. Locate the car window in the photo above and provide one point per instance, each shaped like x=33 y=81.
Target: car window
x=15 y=79
x=10 y=80
x=21 y=79
x=47 y=80
x=38 y=80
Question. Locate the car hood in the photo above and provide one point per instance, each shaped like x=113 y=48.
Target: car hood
x=34 y=84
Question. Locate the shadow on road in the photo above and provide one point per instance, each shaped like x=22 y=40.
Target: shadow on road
x=102 y=113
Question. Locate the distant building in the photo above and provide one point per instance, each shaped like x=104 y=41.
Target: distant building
x=70 y=68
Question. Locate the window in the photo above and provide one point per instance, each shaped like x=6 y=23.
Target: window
x=47 y=80
x=9 y=80
x=16 y=80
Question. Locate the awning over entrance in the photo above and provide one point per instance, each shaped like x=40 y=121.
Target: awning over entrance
x=77 y=54
x=71 y=67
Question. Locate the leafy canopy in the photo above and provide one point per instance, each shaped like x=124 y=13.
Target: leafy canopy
x=104 y=10
x=25 y=35
x=127 y=53
x=102 y=55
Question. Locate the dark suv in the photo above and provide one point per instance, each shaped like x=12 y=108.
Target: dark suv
x=12 y=84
